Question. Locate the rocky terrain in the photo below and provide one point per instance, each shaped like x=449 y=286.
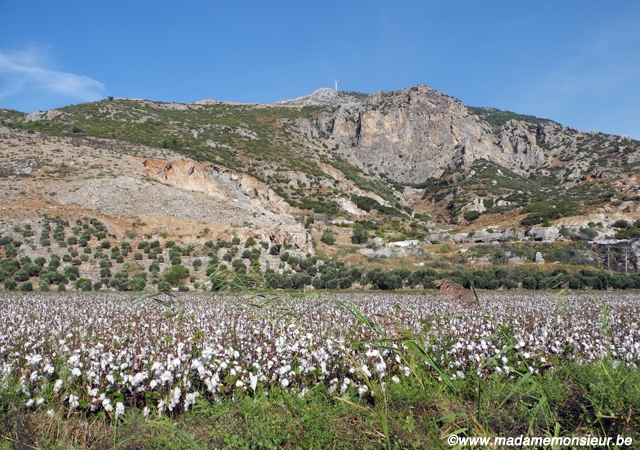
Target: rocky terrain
x=392 y=175
x=161 y=193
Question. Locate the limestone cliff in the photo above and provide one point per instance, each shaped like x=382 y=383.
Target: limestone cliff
x=419 y=133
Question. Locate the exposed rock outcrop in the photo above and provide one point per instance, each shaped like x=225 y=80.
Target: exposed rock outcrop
x=215 y=181
x=419 y=133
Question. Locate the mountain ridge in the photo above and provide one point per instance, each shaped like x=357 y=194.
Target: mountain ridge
x=330 y=150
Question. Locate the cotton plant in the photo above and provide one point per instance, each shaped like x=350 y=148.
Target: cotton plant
x=101 y=351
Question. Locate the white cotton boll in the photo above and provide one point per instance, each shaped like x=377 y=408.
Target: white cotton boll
x=253 y=382
x=49 y=369
x=29 y=403
x=146 y=411
x=177 y=393
x=236 y=354
x=119 y=409
x=40 y=401
x=362 y=390
x=161 y=404
x=395 y=379
x=166 y=377
x=460 y=374
x=153 y=384
x=189 y=400
x=284 y=382
x=34 y=376
x=57 y=385
x=138 y=378
x=239 y=383
x=76 y=372
x=73 y=401
x=106 y=404
x=51 y=413
x=366 y=371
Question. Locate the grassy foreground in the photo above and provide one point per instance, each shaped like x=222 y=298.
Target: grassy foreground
x=599 y=399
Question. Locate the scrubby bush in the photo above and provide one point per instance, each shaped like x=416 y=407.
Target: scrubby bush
x=621 y=223
x=359 y=235
x=176 y=274
x=470 y=216
x=328 y=236
x=10 y=284
x=275 y=249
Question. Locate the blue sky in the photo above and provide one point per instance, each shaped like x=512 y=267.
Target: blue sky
x=577 y=62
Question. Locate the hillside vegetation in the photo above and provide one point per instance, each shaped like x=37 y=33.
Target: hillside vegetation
x=333 y=158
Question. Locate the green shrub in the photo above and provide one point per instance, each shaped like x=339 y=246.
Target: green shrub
x=21 y=275
x=328 y=236
x=239 y=266
x=39 y=261
x=176 y=274
x=10 y=251
x=470 y=216
x=446 y=248
x=621 y=223
x=275 y=249
x=359 y=235
x=70 y=271
x=10 y=284
x=27 y=286
x=83 y=284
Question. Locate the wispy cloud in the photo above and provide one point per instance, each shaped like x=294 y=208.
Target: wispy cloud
x=28 y=72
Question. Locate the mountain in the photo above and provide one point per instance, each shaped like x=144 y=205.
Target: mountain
x=412 y=164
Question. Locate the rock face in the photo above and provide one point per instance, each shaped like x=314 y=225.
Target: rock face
x=215 y=181
x=419 y=133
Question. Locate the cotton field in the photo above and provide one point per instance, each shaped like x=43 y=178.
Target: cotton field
x=109 y=352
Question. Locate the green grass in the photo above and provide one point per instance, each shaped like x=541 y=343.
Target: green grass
x=599 y=399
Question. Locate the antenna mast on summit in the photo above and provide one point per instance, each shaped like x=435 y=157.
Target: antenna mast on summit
x=335 y=82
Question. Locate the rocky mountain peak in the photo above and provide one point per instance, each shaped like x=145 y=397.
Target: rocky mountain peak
x=325 y=96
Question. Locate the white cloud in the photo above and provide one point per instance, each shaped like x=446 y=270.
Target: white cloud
x=28 y=72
